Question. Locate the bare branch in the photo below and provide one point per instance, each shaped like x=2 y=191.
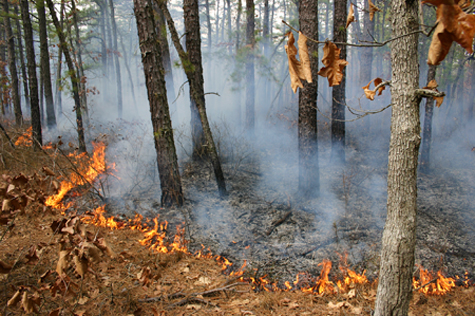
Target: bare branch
x=426 y=93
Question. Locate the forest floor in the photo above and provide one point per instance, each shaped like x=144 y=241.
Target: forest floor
x=79 y=263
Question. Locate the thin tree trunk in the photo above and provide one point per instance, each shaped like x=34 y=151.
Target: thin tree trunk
x=167 y=63
x=24 y=76
x=339 y=92
x=250 y=82
x=116 y=60
x=237 y=96
x=80 y=67
x=12 y=66
x=45 y=66
x=72 y=74
x=30 y=56
x=309 y=174
x=127 y=67
x=170 y=181
x=230 y=48
x=399 y=236
x=427 y=131
x=217 y=23
x=191 y=61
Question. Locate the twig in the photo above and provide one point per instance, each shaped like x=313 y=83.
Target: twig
x=6 y=135
x=278 y=222
x=424 y=285
x=374 y=44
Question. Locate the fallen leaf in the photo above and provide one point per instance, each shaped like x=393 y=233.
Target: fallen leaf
x=4 y=267
x=293 y=305
x=351 y=16
x=193 y=306
x=29 y=304
x=240 y=302
x=55 y=312
x=104 y=247
x=62 y=264
x=203 y=281
x=372 y=10
x=15 y=299
x=81 y=264
x=334 y=66
x=352 y=293
x=83 y=300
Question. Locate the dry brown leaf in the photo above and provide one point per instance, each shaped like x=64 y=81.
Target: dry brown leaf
x=295 y=68
x=4 y=268
x=304 y=59
x=369 y=93
x=454 y=25
x=334 y=66
x=90 y=251
x=438 y=101
x=48 y=171
x=62 y=264
x=81 y=264
x=104 y=247
x=145 y=275
x=432 y=85
x=29 y=304
x=15 y=299
x=351 y=16
x=55 y=312
x=463 y=3
x=372 y=10
x=377 y=82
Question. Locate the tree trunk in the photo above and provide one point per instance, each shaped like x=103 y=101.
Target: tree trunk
x=427 y=131
x=22 y=59
x=191 y=62
x=217 y=23
x=12 y=66
x=230 y=48
x=58 y=86
x=116 y=60
x=170 y=181
x=72 y=75
x=250 y=84
x=129 y=73
x=366 y=52
x=339 y=92
x=45 y=70
x=80 y=66
x=399 y=236
x=167 y=63
x=30 y=56
x=309 y=174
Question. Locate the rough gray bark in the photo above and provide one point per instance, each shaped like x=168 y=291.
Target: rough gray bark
x=191 y=61
x=12 y=65
x=427 y=131
x=399 y=236
x=250 y=81
x=72 y=75
x=116 y=60
x=33 y=81
x=170 y=181
x=45 y=66
x=309 y=174
x=339 y=92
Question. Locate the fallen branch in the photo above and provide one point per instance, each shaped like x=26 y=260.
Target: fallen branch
x=278 y=222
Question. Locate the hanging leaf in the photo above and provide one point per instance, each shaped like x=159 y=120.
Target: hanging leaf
x=370 y=94
x=351 y=16
x=377 y=82
x=334 y=66
x=298 y=70
x=454 y=25
x=372 y=10
x=304 y=59
x=432 y=85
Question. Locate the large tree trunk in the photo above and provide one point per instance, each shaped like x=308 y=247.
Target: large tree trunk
x=339 y=92
x=427 y=131
x=24 y=77
x=250 y=84
x=309 y=175
x=72 y=75
x=191 y=62
x=12 y=66
x=399 y=236
x=116 y=60
x=44 y=65
x=170 y=181
x=30 y=56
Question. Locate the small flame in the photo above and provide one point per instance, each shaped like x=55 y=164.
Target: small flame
x=431 y=285
x=26 y=138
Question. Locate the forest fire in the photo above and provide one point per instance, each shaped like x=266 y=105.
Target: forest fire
x=156 y=238
x=26 y=139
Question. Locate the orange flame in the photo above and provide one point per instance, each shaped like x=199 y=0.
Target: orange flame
x=428 y=284
x=26 y=138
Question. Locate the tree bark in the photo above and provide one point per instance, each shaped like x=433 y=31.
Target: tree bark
x=170 y=181
x=30 y=56
x=116 y=60
x=399 y=236
x=250 y=82
x=72 y=75
x=12 y=66
x=339 y=92
x=427 y=131
x=191 y=62
x=309 y=173
x=45 y=66
x=22 y=59
x=366 y=52
x=58 y=99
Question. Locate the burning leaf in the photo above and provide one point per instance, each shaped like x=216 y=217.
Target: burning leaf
x=372 y=10
x=454 y=25
x=298 y=71
x=351 y=16
x=304 y=59
x=15 y=299
x=334 y=66
x=4 y=268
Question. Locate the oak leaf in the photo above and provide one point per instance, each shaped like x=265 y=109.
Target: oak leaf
x=15 y=299
x=372 y=10
x=62 y=264
x=334 y=66
x=432 y=85
x=29 y=303
x=370 y=94
x=81 y=264
x=454 y=25
x=296 y=68
x=351 y=16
